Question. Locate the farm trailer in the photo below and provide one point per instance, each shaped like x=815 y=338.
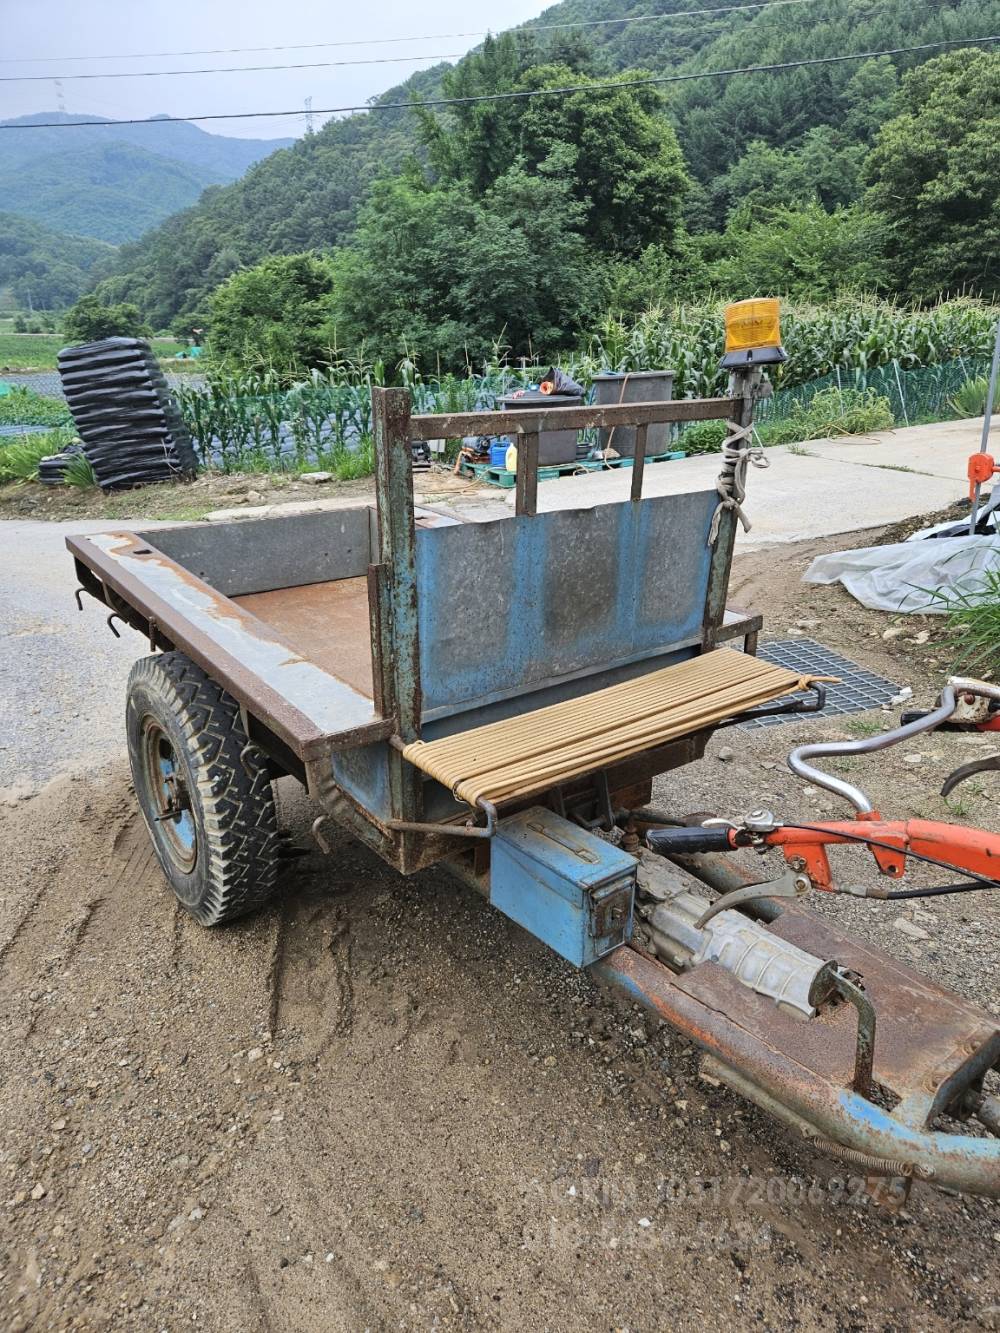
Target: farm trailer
x=494 y=698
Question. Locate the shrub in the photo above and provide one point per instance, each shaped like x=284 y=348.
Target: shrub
x=277 y=315
x=830 y=412
x=90 y=320
x=970 y=400
x=79 y=472
x=702 y=437
x=20 y=458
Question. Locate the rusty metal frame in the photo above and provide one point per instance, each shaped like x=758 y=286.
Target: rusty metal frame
x=395 y=616
x=448 y=425
x=528 y=425
x=177 y=609
x=837 y=1118
x=174 y=607
x=743 y=386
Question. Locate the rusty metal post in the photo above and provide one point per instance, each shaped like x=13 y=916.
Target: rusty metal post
x=639 y=461
x=399 y=655
x=742 y=387
x=526 y=496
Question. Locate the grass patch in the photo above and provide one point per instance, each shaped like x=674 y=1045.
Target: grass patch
x=24 y=407
x=862 y=726
x=30 y=351
x=39 y=351
x=19 y=460
x=19 y=457
x=973 y=619
x=830 y=413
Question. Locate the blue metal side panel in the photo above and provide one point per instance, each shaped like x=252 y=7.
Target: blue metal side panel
x=521 y=601
x=364 y=774
x=571 y=890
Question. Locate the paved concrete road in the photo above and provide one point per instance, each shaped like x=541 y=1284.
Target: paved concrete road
x=824 y=487
x=63 y=671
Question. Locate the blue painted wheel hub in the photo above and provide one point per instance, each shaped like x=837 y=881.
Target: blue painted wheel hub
x=169 y=796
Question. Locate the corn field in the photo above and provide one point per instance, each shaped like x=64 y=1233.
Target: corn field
x=851 y=334
x=254 y=421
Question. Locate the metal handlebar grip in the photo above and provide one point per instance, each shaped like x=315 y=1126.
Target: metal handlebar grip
x=686 y=841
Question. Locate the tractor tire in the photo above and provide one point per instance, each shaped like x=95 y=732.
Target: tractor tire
x=204 y=792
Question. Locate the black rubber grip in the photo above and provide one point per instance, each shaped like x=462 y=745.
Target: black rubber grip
x=682 y=841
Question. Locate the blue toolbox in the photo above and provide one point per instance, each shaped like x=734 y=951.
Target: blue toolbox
x=571 y=889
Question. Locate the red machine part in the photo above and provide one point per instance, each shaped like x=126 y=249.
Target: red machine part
x=981 y=469
x=969 y=849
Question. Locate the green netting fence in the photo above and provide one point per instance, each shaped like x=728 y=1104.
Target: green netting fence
x=914 y=396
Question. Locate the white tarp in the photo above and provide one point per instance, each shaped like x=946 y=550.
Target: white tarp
x=919 y=576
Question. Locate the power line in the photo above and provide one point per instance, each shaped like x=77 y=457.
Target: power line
x=234 y=69
x=435 y=37
x=524 y=95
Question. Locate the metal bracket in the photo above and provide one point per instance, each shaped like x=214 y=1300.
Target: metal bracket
x=988 y=765
x=789 y=885
x=864 y=1053
x=468 y=830
x=794 y=707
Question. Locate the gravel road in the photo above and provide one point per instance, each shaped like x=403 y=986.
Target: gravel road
x=63 y=672
x=381 y=1105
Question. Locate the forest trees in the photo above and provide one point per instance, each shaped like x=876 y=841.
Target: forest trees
x=278 y=313
x=514 y=229
x=508 y=234
x=934 y=176
x=438 y=275
x=521 y=218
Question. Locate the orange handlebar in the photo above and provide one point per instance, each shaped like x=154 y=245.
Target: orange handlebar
x=968 y=849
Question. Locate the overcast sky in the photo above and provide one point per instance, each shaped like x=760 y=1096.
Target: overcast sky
x=34 y=34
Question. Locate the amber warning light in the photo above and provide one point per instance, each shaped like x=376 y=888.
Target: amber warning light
x=753 y=334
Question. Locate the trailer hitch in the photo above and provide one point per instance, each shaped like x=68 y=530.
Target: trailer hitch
x=875 y=1093
x=872 y=1096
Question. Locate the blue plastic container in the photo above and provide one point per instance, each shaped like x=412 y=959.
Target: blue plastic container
x=498 y=452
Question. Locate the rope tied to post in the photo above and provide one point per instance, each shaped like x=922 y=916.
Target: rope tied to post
x=731 y=485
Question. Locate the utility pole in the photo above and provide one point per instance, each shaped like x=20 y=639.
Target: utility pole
x=310 y=118
x=977 y=475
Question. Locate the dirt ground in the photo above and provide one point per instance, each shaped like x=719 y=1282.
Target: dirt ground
x=190 y=500
x=380 y=1104
x=181 y=501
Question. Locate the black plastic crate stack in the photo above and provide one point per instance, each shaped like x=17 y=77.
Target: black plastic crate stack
x=52 y=468
x=124 y=414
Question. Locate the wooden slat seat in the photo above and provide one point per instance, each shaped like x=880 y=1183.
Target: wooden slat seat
x=534 y=751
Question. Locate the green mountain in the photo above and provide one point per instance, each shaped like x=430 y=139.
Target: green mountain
x=816 y=121
x=44 y=269
x=114 y=182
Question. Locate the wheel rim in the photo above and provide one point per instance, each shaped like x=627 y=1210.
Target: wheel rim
x=169 y=795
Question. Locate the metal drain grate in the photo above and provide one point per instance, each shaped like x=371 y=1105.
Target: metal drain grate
x=858 y=689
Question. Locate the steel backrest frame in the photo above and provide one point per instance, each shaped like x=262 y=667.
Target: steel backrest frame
x=393 y=579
